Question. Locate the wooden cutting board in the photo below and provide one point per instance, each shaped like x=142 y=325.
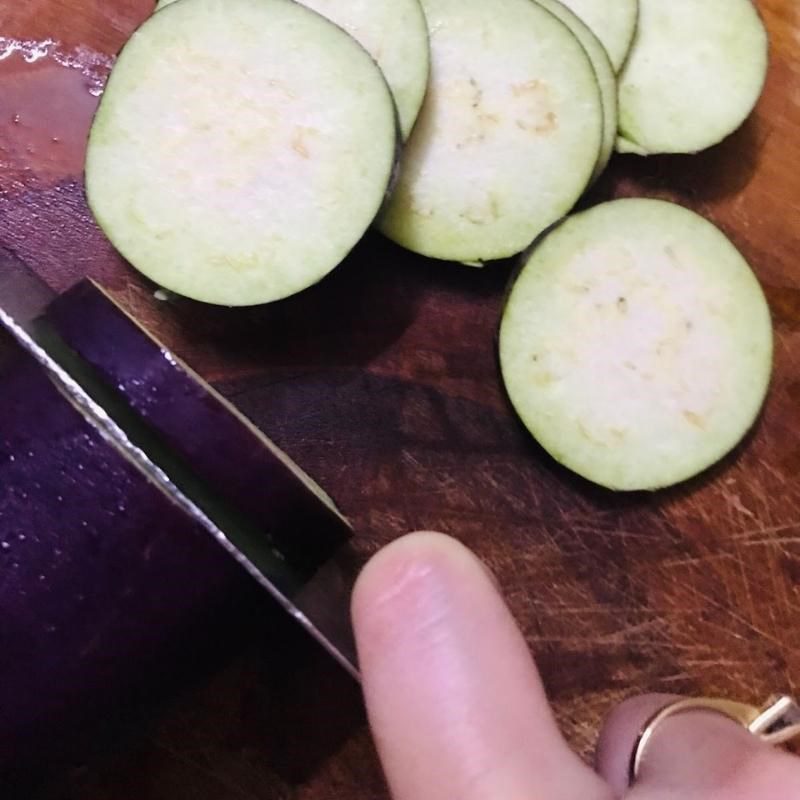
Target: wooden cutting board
x=383 y=383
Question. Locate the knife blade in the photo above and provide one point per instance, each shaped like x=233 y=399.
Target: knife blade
x=320 y=604
x=23 y=293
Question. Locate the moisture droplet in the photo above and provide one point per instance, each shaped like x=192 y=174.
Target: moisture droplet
x=5 y=545
x=21 y=537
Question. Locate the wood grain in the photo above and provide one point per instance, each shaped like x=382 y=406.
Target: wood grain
x=383 y=383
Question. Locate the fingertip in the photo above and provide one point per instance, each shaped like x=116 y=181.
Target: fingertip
x=396 y=578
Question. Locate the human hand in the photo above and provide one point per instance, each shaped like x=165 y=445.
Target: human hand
x=458 y=710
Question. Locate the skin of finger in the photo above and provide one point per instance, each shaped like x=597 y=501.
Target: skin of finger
x=694 y=755
x=454 y=699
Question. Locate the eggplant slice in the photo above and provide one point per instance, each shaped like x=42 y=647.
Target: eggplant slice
x=694 y=74
x=241 y=149
x=508 y=136
x=636 y=344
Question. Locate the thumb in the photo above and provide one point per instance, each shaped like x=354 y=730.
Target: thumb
x=454 y=698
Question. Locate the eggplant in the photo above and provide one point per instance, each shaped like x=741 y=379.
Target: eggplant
x=105 y=581
x=224 y=449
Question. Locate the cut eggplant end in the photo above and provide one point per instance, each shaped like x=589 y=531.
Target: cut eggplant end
x=508 y=136
x=277 y=137
x=694 y=75
x=613 y=22
x=636 y=344
x=222 y=448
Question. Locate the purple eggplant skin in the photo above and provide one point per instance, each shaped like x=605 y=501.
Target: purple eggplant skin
x=104 y=581
x=223 y=450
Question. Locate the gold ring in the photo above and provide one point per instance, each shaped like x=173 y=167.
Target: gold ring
x=778 y=722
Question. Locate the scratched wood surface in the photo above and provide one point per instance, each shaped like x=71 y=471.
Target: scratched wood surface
x=383 y=383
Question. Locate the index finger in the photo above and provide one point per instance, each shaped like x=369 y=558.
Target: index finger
x=455 y=701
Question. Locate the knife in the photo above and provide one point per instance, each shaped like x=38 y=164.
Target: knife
x=320 y=604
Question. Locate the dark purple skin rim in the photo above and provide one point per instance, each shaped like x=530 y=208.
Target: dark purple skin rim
x=195 y=424
x=106 y=585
